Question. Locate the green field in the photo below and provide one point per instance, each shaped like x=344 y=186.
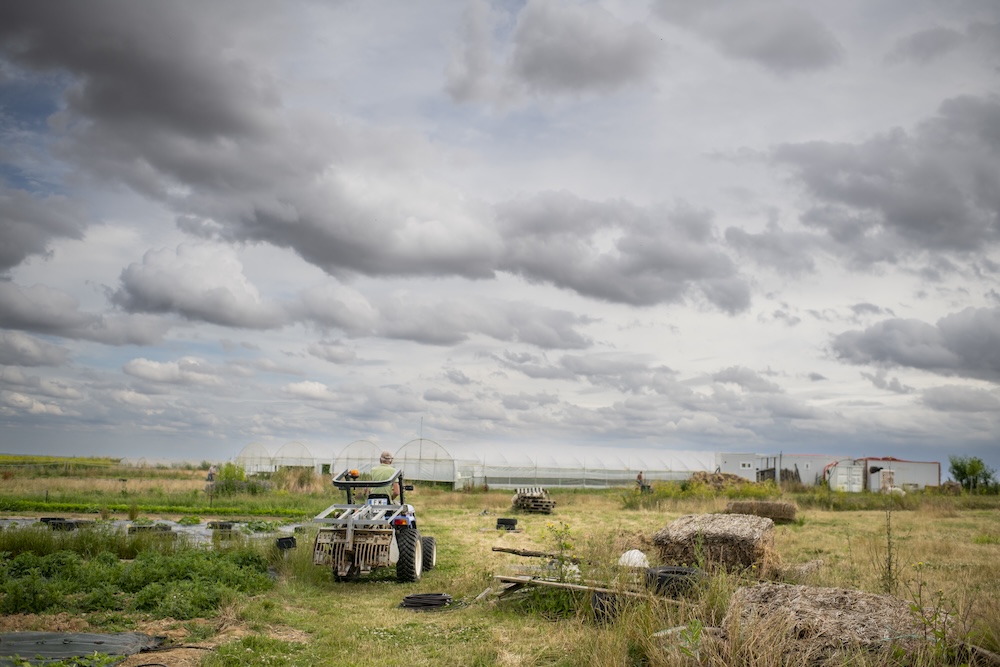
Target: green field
x=945 y=549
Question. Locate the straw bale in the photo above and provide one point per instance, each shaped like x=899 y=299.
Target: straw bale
x=827 y=622
x=777 y=511
x=719 y=480
x=734 y=541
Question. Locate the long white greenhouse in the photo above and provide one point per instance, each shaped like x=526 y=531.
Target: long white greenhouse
x=429 y=461
x=582 y=468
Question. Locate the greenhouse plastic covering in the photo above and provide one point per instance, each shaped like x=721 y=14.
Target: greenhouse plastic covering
x=425 y=460
x=582 y=468
x=293 y=455
x=359 y=455
x=255 y=458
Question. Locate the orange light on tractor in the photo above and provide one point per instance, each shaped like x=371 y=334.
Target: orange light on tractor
x=355 y=474
x=400 y=521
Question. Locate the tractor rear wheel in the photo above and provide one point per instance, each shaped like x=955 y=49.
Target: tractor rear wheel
x=429 y=545
x=410 y=565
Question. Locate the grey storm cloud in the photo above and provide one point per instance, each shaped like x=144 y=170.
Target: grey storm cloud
x=781 y=36
x=556 y=48
x=345 y=197
x=934 y=42
x=20 y=349
x=29 y=221
x=658 y=256
x=954 y=398
x=44 y=310
x=966 y=343
x=785 y=252
x=165 y=83
x=927 y=44
x=157 y=103
x=561 y=47
x=207 y=284
x=880 y=380
x=931 y=189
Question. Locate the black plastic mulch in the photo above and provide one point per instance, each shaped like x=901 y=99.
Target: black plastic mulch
x=42 y=648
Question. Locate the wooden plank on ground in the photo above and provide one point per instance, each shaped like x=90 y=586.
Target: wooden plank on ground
x=536 y=581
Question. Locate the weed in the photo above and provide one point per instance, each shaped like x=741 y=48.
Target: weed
x=260 y=526
x=930 y=613
x=255 y=651
x=887 y=564
x=189 y=520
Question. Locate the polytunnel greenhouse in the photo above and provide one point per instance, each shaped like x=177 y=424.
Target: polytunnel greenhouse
x=579 y=468
x=254 y=458
x=359 y=455
x=426 y=461
x=293 y=455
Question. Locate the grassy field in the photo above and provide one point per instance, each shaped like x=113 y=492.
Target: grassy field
x=943 y=551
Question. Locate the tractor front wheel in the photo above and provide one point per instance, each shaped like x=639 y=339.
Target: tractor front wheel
x=410 y=565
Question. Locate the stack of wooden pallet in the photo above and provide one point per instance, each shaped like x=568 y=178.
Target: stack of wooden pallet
x=533 y=499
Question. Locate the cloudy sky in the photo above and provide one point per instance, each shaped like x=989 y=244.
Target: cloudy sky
x=723 y=226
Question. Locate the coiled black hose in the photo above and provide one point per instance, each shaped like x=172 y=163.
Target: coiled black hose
x=425 y=601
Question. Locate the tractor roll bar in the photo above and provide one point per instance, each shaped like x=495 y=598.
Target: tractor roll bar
x=345 y=482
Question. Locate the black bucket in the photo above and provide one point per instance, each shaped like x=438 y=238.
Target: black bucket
x=672 y=580
x=506 y=524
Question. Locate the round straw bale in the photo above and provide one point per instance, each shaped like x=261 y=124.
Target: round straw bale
x=734 y=541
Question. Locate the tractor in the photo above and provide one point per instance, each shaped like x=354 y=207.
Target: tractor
x=372 y=532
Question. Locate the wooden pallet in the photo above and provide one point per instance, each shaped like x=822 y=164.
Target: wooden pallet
x=538 y=505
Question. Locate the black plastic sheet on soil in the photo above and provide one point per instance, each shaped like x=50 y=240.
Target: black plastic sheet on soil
x=42 y=648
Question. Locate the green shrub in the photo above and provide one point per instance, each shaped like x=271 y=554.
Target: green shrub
x=28 y=594
x=103 y=597
x=182 y=582
x=182 y=600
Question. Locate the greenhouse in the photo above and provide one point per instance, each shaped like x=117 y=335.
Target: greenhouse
x=293 y=455
x=426 y=461
x=495 y=466
x=359 y=455
x=254 y=458
x=580 y=468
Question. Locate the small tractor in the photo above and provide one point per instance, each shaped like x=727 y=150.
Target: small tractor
x=364 y=535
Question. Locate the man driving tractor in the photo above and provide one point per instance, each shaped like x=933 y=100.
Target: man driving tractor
x=384 y=471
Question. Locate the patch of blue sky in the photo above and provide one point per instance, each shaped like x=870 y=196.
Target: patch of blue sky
x=25 y=107
x=14 y=177
x=28 y=102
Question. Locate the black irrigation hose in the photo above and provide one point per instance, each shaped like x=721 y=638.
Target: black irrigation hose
x=425 y=601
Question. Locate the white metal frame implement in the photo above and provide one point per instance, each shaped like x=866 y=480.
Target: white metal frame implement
x=374 y=545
